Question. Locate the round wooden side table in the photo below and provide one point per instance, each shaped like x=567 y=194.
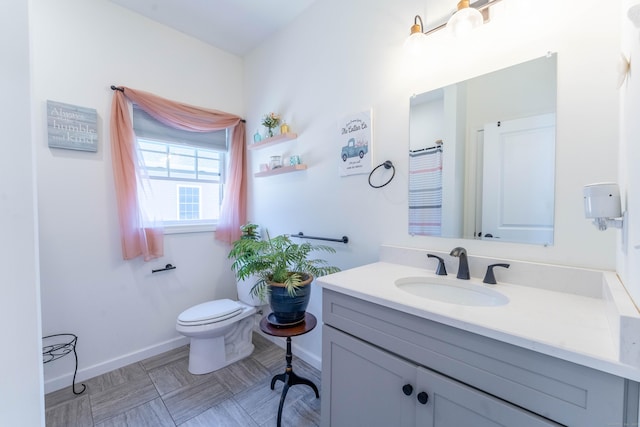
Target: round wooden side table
x=289 y=378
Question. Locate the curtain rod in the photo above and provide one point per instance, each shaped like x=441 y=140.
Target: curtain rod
x=121 y=89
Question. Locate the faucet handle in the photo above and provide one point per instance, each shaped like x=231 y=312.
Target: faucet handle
x=489 y=277
x=441 y=270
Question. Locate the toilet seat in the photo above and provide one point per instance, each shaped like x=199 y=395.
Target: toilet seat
x=210 y=312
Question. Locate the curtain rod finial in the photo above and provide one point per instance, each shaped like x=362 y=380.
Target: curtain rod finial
x=117 y=88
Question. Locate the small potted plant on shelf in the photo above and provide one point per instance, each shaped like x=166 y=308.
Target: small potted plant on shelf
x=271 y=121
x=283 y=272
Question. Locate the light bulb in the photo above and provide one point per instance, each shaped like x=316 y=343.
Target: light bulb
x=415 y=43
x=464 y=20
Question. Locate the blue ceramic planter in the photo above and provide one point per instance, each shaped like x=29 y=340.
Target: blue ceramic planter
x=286 y=309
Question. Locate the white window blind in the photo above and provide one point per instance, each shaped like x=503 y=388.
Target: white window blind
x=147 y=127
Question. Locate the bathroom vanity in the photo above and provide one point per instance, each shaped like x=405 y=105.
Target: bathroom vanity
x=552 y=354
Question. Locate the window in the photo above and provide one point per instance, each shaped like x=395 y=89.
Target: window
x=186 y=174
x=188 y=202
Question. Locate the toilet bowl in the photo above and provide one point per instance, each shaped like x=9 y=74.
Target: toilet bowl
x=220 y=332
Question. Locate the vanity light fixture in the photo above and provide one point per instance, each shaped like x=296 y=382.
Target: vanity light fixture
x=414 y=42
x=465 y=19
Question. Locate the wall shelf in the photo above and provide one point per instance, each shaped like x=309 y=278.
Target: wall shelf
x=278 y=171
x=277 y=139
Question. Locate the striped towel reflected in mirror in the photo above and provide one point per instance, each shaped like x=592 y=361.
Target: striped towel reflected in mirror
x=425 y=191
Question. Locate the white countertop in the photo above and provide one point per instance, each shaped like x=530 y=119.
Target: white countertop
x=565 y=325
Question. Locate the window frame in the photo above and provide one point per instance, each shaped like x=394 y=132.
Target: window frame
x=187 y=226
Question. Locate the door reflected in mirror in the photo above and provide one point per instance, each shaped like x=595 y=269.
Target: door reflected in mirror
x=482 y=156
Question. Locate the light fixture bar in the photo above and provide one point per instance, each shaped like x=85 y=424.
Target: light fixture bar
x=481 y=5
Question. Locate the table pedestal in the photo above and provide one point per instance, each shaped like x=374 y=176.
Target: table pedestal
x=289 y=378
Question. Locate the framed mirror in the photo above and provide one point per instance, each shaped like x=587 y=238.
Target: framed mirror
x=482 y=156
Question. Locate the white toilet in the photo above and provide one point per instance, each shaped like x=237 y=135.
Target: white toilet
x=220 y=331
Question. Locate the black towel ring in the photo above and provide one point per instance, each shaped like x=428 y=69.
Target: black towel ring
x=387 y=165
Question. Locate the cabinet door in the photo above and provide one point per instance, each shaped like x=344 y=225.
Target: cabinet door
x=451 y=403
x=363 y=385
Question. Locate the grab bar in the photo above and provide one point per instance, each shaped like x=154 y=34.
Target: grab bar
x=166 y=267
x=301 y=235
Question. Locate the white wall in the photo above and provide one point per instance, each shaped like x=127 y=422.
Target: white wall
x=427 y=122
x=21 y=386
x=629 y=175
x=454 y=166
x=118 y=309
x=345 y=57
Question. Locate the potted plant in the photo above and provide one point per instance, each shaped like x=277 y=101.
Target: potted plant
x=249 y=231
x=271 y=121
x=283 y=272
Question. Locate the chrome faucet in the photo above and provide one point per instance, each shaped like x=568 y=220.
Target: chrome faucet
x=463 y=266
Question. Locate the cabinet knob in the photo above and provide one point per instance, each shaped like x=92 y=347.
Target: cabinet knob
x=407 y=389
x=423 y=397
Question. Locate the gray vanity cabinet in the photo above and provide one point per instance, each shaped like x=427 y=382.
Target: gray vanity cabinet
x=455 y=404
x=367 y=384
x=371 y=387
x=377 y=362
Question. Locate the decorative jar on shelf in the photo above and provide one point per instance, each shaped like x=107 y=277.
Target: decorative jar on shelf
x=284 y=128
x=275 y=162
x=257 y=137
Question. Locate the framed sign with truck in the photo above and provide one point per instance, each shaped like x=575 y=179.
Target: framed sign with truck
x=355 y=144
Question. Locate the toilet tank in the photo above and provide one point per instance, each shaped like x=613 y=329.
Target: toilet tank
x=244 y=291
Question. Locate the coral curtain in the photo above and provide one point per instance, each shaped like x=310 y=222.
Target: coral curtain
x=138 y=239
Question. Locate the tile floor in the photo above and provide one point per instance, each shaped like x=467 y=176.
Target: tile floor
x=160 y=391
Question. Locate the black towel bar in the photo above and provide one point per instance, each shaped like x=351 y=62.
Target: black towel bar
x=301 y=235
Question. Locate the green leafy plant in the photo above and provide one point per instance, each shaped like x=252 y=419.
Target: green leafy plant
x=271 y=120
x=250 y=231
x=277 y=260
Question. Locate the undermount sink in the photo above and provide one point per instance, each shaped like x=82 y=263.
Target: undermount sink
x=451 y=291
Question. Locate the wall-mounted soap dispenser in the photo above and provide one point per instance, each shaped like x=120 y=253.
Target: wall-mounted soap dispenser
x=602 y=203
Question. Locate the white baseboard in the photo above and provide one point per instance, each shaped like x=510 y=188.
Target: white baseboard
x=311 y=358
x=84 y=374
